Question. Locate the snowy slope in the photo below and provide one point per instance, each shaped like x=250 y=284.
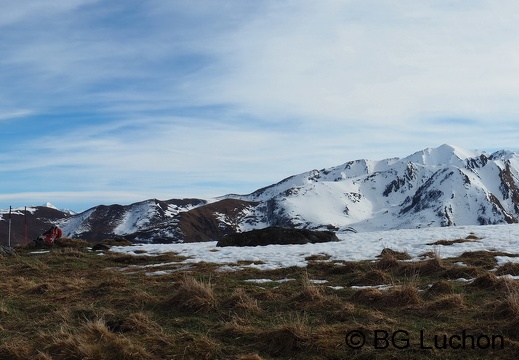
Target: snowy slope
x=443 y=186
x=434 y=187
x=140 y=221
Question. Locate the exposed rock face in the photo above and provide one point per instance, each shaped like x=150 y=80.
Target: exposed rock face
x=277 y=236
x=214 y=220
x=144 y=221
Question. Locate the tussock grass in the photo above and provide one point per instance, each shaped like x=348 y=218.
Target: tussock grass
x=391 y=261
x=71 y=303
x=333 y=268
x=483 y=259
x=451 y=242
x=241 y=302
x=249 y=357
x=318 y=257
x=489 y=281
x=388 y=263
x=446 y=302
x=507 y=307
x=66 y=242
x=68 y=251
x=93 y=340
x=193 y=295
x=192 y=346
x=116 y=242
x=309 y=291
x=399 y=255
x=441 y=287
x=289 y=338
x=373 y=277
x=462 y=272
x=405 y=295
x=508 y=269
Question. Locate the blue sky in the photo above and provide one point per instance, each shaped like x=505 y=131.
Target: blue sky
x=105 y=101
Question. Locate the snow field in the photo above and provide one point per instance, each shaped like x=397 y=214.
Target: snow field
x=351 y=247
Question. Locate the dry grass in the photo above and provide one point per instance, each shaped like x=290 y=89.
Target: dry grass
x=193 y=295
x=291 y=337
x=404 y=295
x=373 y=277
x=388 y=262
x=65 y=242
x=489 y=281
x=71 y=303
x=309 y=291
x=508 y=269
x=399 y=255
x=241 y=302
x=446 y=303
x=450 y=242
x=483 y=259
x=462 y=272
x=249 y=357
x=92 y=340
x=441 y=287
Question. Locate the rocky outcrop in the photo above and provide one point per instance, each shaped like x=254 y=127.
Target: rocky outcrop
x=277 y=236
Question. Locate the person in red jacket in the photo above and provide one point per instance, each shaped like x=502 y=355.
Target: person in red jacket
x=50 y=235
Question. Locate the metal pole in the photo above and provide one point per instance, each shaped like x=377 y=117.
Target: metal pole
x=25 y=226
x=9 y=226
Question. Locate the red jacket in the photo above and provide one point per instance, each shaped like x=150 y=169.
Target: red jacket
x=53 y=234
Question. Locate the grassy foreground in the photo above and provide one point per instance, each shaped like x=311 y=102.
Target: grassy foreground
x=72 y=303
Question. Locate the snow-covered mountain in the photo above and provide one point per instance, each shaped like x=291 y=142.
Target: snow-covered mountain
x=142 y=221
x=434 y=187
x=66 y=211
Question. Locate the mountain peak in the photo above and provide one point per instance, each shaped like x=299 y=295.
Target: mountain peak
x=442 y=155
x=49 y=205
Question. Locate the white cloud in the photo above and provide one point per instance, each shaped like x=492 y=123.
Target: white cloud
x=74 y=200
x=344 y=61
x=26 y=10
x=191 y=96
x=15 y=114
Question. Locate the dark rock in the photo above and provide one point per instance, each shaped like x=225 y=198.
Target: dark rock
x=100 y=247
x=278 y=236
x=6 y=251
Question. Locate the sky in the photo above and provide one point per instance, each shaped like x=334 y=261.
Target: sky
x=108 y=101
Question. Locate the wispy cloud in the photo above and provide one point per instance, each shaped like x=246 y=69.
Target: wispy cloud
x=207 y=97
x=372 y=62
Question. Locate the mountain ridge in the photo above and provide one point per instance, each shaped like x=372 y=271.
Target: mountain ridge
x=442 y=186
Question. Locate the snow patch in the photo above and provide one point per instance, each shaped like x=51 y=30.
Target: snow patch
x=351 y=247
